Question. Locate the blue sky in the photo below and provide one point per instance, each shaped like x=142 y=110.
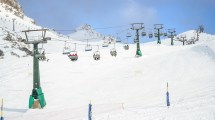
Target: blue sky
x=67 y=14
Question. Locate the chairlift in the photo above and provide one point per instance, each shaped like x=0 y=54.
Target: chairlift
x=161 y=34
x=113 y=51
x=156 y=34
x=41 y=54
x=164 y=34
x=66 y=49
x=126 y=47
x=128 y=35
x=96 y=54
x=143 y=33
x=105 y=44
x=177 y=38
x=88 y=47
x=118 y=40
x=150 y=35
x=135 y=40
x=73 y=55
x=169 y=36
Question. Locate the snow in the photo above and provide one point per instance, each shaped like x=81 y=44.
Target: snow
x=120 y=88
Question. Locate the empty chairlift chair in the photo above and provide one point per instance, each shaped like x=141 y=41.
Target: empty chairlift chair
x=88 y=47
x=118 y=40
x=105 y=44
x=66 y=50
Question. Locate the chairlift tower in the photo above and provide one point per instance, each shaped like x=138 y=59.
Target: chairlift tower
x=37 y=99
x=172 y=34
x=183 y=39
x=158 y=27
x=137 y=27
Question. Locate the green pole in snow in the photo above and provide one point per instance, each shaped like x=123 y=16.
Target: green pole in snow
x=138 y=51
x=172 y=34
x=158 y=27
x=137 y=27
x=37 y=99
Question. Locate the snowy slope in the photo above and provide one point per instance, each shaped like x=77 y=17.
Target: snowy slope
x=120 y=88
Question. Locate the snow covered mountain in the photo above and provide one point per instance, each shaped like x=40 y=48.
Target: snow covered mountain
x=13 y=7
x=86 y=32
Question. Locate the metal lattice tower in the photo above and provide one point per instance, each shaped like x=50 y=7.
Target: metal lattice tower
x=37 y=99
x=158 y=27
x=137 y=27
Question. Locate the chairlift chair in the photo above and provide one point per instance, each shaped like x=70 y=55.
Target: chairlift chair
x=156 y=34
x=128 y=35
x=143 y=33
x=41 y=54
x=150 y=35
x=66 y=50
x=96 y=55
x=113 y=52
x=118 y=40
x=165 y=34
x=105 y=44
x=161 y=33
x=126 y=47
x=88 y=47
x=73 y=56
x=135 y=40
